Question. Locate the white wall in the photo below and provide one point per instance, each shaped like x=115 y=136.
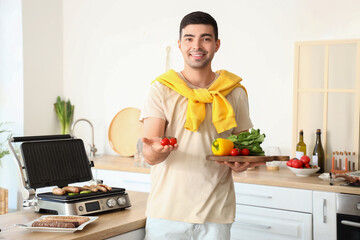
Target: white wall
x=11 y=89
x=103 y=54
x=113 y=49
x=43 y=64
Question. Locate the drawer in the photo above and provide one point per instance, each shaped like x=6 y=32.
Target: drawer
x=274 y=197
x=257 y=223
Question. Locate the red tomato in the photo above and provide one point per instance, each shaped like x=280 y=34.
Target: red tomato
x=244 y=152
x=172 y=141
x=305 y=159
x=165 y=141
x=307 y=165
x=234 y=152
x=297 y=163
x=289 y=163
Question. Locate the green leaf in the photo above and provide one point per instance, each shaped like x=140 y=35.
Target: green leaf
x=250 y=140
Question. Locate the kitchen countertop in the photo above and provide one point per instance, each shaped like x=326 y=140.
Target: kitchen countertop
x=281 y=178
x=108 y=224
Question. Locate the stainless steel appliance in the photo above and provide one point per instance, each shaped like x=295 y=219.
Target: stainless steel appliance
x=348 y=216
x=60 y=160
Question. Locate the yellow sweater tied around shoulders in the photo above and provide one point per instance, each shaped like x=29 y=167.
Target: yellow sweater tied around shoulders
x=223 y=116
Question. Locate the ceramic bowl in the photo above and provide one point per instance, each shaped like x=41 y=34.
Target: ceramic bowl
x=303 y=172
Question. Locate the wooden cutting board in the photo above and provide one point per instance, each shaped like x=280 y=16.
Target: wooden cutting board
x=247 y=158
x=124 y=131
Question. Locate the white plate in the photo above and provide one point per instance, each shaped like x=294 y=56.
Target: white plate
x=326 y=176
x=49 y=229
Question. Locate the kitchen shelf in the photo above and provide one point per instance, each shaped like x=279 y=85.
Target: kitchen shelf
x=327 y=95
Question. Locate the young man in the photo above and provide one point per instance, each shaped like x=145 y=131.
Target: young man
x=192 y=198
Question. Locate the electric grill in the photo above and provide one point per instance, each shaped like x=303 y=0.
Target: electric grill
x=60 y=160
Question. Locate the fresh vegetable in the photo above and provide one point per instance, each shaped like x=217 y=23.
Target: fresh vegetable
x=304 y=162
x=250 y=140
x=172 y=141
x=165 y=141
x=244 y=152
x=234 y=152
x=297 y=164
x=72 y=193
x=222 y=147
x=85 y=191
x=65 y=112
x=305 y=159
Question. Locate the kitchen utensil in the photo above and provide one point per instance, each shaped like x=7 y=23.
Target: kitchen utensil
x=273 y=165
x=13 y=226
x=303 y=172
x=124 y=131
x=326 y=177
x=246 y=158
x=60 y=160
x=52 y=229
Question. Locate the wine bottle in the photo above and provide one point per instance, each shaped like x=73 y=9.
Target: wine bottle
x=301 y=146
x=318 y=157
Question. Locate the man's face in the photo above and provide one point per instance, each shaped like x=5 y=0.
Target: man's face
x=198 y=45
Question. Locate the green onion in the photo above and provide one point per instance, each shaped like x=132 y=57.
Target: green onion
x=64 y=112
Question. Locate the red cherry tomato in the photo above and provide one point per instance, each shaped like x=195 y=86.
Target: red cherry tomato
x=234 y=152
x=172 y=141
x=244 y=152
x=165 y=141
x=305 y=159
x=297 y=163
x=307 y=165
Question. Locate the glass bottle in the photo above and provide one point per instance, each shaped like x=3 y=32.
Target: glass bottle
x=318 y=157
x=301 y=146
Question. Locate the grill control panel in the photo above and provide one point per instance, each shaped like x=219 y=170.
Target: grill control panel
x=85 y=207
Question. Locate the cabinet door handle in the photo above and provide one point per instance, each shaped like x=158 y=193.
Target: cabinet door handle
x=253 y=225
x=255 y=195
x=324 y=210
x=350 y=223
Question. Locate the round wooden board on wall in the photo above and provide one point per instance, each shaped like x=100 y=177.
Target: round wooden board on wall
x=124 y=131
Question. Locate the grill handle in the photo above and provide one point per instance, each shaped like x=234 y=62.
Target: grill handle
x=41 y=138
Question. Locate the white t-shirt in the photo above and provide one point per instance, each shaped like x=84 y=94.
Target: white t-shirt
x=187 y=187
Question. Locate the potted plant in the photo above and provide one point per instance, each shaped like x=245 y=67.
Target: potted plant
x=3 y=149
x=65 y=112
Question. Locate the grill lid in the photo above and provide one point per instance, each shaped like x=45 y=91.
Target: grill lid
x=55 y=162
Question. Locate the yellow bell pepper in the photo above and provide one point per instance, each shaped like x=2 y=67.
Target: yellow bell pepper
x=222 y=147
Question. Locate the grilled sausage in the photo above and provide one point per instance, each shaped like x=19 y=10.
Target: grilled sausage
x=105 y=186
x=53 y=224
x=99 y=187
x=93 y=189
x=70 y=189
x=58 y=191
x=73 y=221
x=78 y=219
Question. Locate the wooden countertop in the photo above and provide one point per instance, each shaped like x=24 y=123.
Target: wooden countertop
x=282 y=178
x=285 y=178
x=117 y=163
x=108 y=224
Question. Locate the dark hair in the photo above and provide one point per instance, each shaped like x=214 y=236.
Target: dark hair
x=199 y=18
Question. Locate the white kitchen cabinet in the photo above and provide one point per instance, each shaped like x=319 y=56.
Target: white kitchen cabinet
x=138 y=234
x=259 y=223
x=268 y=212
x=131 y=181
x=324 y=215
